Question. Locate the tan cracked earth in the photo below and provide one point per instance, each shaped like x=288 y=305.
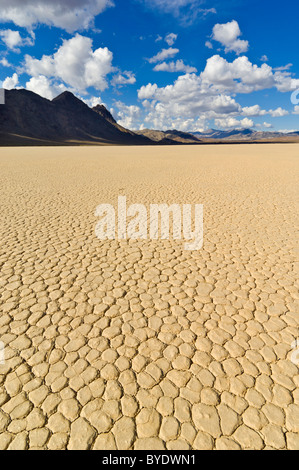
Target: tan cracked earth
x=140 y=344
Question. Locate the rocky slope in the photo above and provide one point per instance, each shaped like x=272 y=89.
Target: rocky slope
x=27 y=118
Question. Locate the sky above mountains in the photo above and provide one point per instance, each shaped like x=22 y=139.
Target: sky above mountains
x=161 y=64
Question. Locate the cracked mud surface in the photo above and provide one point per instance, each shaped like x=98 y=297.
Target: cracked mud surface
x=140 y=344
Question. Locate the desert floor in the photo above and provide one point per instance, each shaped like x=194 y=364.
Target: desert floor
x=140 y=344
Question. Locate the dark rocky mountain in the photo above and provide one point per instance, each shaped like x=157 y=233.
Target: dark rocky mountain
x=27 y=118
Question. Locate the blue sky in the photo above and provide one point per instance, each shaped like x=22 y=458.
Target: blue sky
x=184 y=64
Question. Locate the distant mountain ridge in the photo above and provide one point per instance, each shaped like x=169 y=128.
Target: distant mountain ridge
x=248 y=134
x=218 y=136
x=172 y=136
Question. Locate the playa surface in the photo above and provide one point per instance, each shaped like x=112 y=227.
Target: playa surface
x=140 y=344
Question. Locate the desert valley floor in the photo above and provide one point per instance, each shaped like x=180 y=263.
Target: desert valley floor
x=140 y=344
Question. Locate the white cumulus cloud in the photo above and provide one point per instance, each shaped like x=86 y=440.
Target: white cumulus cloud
x=257 y=111
x=75 y=63
x=147 y=91
x=13 y=40
x=10 y=82
x=279 y=112
x=71 y=15
x=285 y=82
x=232 y=123
x=194 y=99
x=184 y=101
x=229 y=36
x=253 y=111
x=124 y=78
x=127 y=116
x=241 y=76
x=45 y=87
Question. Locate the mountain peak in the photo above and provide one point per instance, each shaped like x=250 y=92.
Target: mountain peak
x=67 y=97
x=65 y=94
x=102 y=111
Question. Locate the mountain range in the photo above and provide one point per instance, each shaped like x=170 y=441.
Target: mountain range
x=219 y=136
x=28 y=119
